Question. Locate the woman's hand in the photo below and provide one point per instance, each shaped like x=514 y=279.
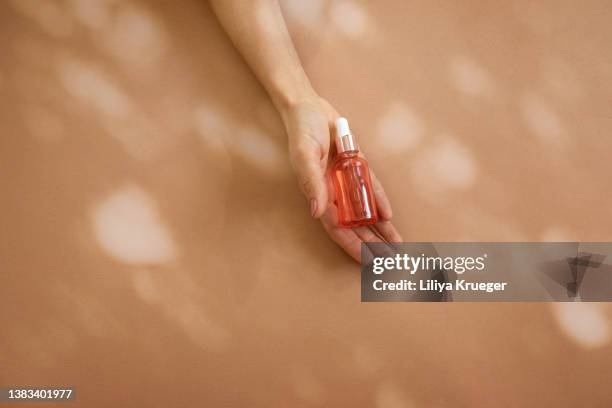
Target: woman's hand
x=309 y=122
x=259 y=32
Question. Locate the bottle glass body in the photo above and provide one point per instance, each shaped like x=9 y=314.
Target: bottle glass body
x=354 y=194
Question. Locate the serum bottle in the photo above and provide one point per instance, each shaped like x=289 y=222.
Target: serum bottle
x=350 y=176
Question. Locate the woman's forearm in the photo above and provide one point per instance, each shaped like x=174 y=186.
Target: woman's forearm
x=257 y=28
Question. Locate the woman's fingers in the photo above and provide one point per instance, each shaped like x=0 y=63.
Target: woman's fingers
x=371 y=235
x=367 y=235
x=307 y=164
x=350 y=239
x=346 y=238
x=382 y=201
x=388 y=231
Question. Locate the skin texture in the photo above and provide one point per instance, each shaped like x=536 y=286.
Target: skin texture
x=258 y=30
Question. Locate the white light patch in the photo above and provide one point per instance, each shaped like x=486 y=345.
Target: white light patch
x=583 y=323
x=93 y=14
x=200 y=329
x=349 y=18
x=212 y=128
x=224 y=137
x=308 y=13
x=542 y=121
x=446 y=164
x=90 y=85
x=469 y=77
x=211 y=123
x=128 y=227
x=136 y=36
x=139 y=134
x=399 y=129
x=556 y=234
x=259 y=150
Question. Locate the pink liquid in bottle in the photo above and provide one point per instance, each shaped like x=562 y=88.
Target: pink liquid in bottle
x=351 y=180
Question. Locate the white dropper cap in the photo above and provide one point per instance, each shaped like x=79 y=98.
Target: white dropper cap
x=344 y=139
x=342 y=127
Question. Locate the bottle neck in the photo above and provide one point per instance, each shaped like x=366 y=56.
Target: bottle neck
x=346 y=143
x=349 y=153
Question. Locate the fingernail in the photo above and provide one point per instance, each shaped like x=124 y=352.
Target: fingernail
x=313 y=207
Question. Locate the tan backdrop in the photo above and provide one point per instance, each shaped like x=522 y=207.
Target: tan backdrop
x=155 y=250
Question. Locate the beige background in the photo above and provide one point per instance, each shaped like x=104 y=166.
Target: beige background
x=155 y=250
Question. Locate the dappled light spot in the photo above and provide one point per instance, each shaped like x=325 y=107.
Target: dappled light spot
x=350 y=18
x=135 y=36
x=128 y=227
x=469 y=77
x=257 y=149
x=583 y=323
x=389 y=395
x=138 y=132
x=92 y=14
x=212 y=129
x=207 y=262
x=92 y=86
x=307 y=13
x=50 y=16
x=447 y=164
x=399 y=129
x=198 y=326
x=211 y=123
x=542 y=121
x=222 y=135
x=556 y=234
x=127 y=31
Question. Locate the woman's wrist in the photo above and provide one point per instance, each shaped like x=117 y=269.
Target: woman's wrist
x=294 y=102
x=289 y=93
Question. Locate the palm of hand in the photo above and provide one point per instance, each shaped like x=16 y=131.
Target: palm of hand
x=308 y=126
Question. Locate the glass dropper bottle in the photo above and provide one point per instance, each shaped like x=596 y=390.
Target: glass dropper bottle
x=351 y=180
